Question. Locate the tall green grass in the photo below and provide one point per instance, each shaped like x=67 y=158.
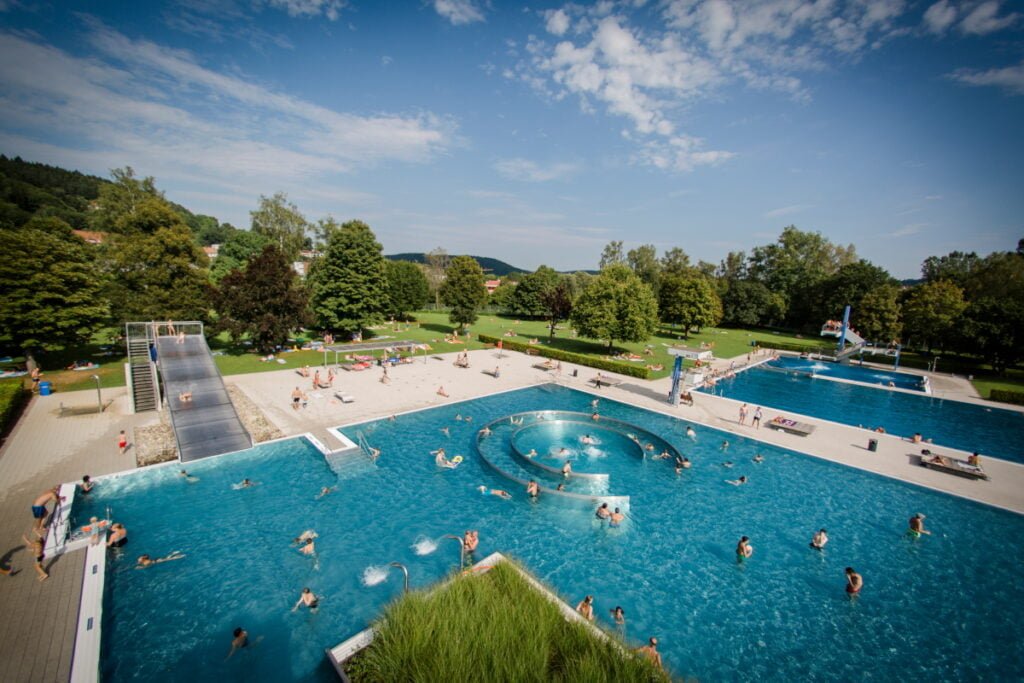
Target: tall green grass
x=491 y=626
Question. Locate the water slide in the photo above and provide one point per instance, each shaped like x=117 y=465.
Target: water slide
x=207 y=423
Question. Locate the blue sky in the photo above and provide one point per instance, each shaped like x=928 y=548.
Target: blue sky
x=536 y=133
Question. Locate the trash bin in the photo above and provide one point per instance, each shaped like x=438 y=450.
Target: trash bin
x=45 y=388
x=575 y=372
x=873 y=445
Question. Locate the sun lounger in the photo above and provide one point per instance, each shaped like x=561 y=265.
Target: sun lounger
x=344 y=398
x=959 y=468
x=790 y=426
x=543 y=366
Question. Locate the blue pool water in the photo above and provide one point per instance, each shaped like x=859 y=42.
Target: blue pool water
x=969 y=427
x=854 y=373
x=937 y=608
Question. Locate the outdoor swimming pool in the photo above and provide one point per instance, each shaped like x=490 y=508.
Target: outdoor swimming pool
x=990 y=431
x=931 y=609
x=854 y=373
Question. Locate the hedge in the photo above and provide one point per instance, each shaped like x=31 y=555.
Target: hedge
x=12 y=396
x=569 y=357
x=1006 y=396
x=788 y=346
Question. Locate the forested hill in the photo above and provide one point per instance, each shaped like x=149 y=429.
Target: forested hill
x=491 y=266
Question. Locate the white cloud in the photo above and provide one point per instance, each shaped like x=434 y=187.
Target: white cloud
x=909 y=229
x=557 y=22
x=1010 y=78
x=984 y=19
x=459 y=11
x=940 y=16
x=787 y=210
x=310 y=8
x=530 y=171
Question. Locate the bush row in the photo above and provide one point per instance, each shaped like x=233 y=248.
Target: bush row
x=12 y=396
x=569 y=357
x=1006 y=396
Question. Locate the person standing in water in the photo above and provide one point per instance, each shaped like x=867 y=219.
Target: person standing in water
x=743 y=549
x=854 y=582
x=616 y=518
x=586 y=608
x=917 y=526
x=309 y=599
x=650 y=650
x=603 y=512
x=532 y=489
x=820 y=540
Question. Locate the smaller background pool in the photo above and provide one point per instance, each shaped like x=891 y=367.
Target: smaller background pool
x=853 y=373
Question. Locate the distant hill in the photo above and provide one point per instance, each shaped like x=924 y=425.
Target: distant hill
x=491 y=266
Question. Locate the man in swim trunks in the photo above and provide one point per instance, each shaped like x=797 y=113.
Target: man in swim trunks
x=532 y=489
x=296 y=398
x=39 y=510
x=819 y=540
x=651 y=652
x=854 y=582
x=616 y=518
x=691 y=433
x=917 y=526
x=240 y=640
x=145 y=561
x=603 y=512
x=586 y=608
x=309 y=599
x=566 y=468
x=756 y=421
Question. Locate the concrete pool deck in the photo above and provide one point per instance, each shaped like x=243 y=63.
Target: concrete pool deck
x=40 y=618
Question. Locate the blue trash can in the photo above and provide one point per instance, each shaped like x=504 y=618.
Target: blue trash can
x=45 y=388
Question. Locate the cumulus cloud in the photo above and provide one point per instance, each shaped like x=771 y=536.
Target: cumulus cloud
x=1010 y=78
x=310 y=8
x=985 y=19
x=557 y=22
x=531 y=171
x=459 y=12
x=940 y=16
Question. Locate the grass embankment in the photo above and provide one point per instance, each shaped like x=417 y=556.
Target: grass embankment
x=490 y=627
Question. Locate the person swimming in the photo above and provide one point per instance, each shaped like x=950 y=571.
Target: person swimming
x=309 y=599
x=532 y=489
x=727 y=463
x=566 y=468
x=306 y=535
x=917 y=526
x=690 y=433
x=854 y=582
x=444 y=430
x=603 y=512
x=758 y=458
x=820 y=540
x=725 y=446
x=486 y=431
x=619 y=615
x=587 y=439
x=145 y=561
x=308 y=547
x=326 y=491
x=616 y=518
x=245 y=484
x=188 y=477
x=737 y=482
x=495 y=492
x=586 y=608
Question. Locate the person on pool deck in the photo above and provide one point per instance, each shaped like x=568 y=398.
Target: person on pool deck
x=145 y=561
x=737 y=482
x=495 y=492
x=532 y=489
x=39 y=510
x=744 y=549
x=603 y=512
x=756 y=421
x=974 y=459
x=917 y=526
x=586 y=608
x=820 y=540
x=566 y=468
x=690 y=433
x=38 y=554
x=616 y=518
x=619 y=615
x=307 y=598
x=650 y=650
x=854 y=582
x=240 y=640
x=296 y=398
x=118 y=536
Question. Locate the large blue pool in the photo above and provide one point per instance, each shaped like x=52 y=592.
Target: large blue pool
x=938 y=608
x=991 y=431
x=854 y=373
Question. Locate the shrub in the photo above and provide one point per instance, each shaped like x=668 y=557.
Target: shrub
x=1006 y=396
x=789 y=346
x=569 y=357
x=12 y=396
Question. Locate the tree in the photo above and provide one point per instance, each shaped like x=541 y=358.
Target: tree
x=463 y=290
x=264 y=300
x=689 y=300
x=349 y=287
x=956 y=267
x=501 y=298
x=848 y=286
x=644 y=262
x=235 y=252
x=210 y=231
x=612 y=255
x=931 y=311
x=675 y=261
x=994 y=328
x=746 y=303
x=529 y=293
x=557 y=303
x=878 y=314
x=437 y=261
x=53 y=291
x=119 y=202
x=733 y=267
x=616 y=306
x=408 y=289
x=280 y=222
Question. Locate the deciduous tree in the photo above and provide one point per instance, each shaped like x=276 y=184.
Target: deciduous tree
x=616 y=306
x=878 y=314
x=235 y=252
x=408 y=289
x=931 y=312
x=612 y=255
x=348 y=286
x=463 y=290
x=280 y=222
x=689 y=300
x=529 y=293
x=747 y=303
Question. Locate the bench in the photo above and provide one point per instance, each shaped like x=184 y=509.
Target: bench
x=344 y=398
x=954 y=466
x=783 y=424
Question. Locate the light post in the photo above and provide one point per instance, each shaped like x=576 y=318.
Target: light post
x=99 y=394
x=404 y=571
x=462 y=549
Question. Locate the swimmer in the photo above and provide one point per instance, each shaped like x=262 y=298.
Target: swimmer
x=737 y=482
x=374 y=453
x=145 y=561
x=587 y=439
x=486 y=431
x=392 y=418
x=632 y=436
x=440 y=460
x=439 y=451
x=245 y=484
x=468 y=418
x=495 y=492
x=586 y=607
x=725 y=446
x=458 y=418
x=444 y=430
x=566 y=468
x=595 y=417
x=532 y=489
x=690 y=433
x=593 y=404
x=619 y=615
x=563 y=451
x=917 y=526
x=86 y=485
x=651 y=652
x=727 y=464
x=744 y=549
x=188 y=477
x=758 y=458
x=470 y=540
x=118 y=536
x=664 y=455
x=326 y=491
x=308 y=547
x=532 y=453
x=649 y=447
x=603 y=512
x=240 y=640
x=514 y=421
x=820 y=540
x=686 y=464
x=854 y=582
x=307 y=598
x=616 y=518
x=306 y=535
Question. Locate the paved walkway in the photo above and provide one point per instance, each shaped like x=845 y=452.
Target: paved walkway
x=37 y=628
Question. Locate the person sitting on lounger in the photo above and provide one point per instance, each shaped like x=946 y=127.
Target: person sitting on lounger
x=974 y=460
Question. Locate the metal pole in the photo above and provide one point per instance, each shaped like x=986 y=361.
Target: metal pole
x=462 y=549
x=99 y=394
x=404 y=571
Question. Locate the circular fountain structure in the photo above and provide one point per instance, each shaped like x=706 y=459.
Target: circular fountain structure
x=535 y=446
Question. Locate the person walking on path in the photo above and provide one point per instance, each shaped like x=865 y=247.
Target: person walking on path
x=122 y=442
x=757 y=418
x=743 y=414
